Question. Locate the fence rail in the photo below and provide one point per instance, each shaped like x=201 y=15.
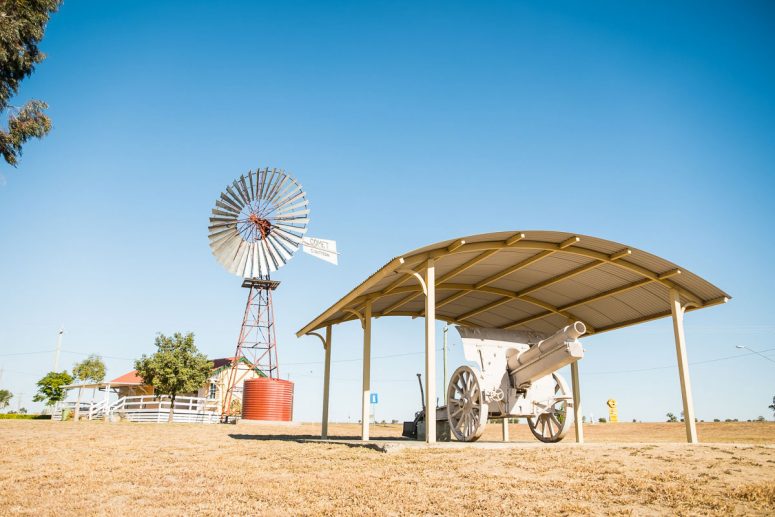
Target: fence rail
x=144 y=408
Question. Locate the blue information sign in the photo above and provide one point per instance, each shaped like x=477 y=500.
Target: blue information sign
x=374 y=398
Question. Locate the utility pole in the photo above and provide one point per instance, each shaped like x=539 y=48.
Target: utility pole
x=444 y=386
x=59 y=349
x=19 y=402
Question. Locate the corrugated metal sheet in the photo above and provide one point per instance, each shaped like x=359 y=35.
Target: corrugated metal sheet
x=623 y=288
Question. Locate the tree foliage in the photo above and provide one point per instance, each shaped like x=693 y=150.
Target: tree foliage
x=50 y=388
x=90 y=369
x=671 y=418
x=22 y=25
x=176 y=367
x=5 y=398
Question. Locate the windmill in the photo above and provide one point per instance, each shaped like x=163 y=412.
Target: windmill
x=257 y=224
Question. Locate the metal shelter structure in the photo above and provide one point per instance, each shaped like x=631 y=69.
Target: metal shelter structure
x=534 y=280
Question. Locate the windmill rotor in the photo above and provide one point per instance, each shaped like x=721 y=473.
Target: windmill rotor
x=258 y=223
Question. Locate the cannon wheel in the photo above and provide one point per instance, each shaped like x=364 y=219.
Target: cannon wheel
x=552 y=425
x=466 y=408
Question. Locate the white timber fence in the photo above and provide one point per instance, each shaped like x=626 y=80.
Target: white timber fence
x=144 y=408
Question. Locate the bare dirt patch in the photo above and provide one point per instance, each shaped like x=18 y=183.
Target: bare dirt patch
x=119 y=469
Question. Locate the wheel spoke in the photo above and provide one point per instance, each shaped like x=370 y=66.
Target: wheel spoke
x=554 y=419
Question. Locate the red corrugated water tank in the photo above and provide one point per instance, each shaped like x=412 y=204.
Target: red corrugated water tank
x=267 y=399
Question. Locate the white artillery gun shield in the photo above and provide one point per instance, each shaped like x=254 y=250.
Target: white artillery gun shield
x=516 y=377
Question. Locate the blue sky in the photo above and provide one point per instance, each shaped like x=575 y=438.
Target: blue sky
x=646 y=123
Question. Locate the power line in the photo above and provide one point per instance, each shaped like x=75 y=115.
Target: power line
x=100 y=355
x=28 y=353
x=361 y=359
x=675 y=365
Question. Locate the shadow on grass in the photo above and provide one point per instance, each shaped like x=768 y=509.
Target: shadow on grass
x=312 y=437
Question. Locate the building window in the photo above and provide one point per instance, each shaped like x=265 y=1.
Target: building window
x=211 y=393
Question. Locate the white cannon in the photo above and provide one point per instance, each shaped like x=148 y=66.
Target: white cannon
x=517 y=377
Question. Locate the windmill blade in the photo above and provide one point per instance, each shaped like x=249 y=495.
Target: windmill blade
x=215 y=232
x=224 y=213
x=268 y=184
x=263 y=266
x=262 y=181
x=245 y=189
x=225 y=254
x=289 y=189
x=255 y=262
x=216 y=241
x=289 y=234
x=270 y=261
x=297 y=230
x=288 y=197
x=276 y=260
x=292 y=220
x=321 y=248
x=291 y=215
x=286 y=188
x=280 y=249
x=224 y=220
x=290 y=203
x=236 y=257
x=248 y=272
x=236 y=200
x=226 y=201
x=237 y=185
x=278 y=186
x=226 y=207
x=252 y=175
x=291 y=242
x=290 y=227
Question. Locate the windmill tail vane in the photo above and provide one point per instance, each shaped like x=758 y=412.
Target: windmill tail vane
x=323 y=249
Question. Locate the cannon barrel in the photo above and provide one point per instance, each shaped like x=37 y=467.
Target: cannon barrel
x=558 y=350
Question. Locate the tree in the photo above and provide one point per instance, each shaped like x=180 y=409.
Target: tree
x=50 y=387
x=90 y=369
x=22 y=25
x=671 y=418
x=5 y=398
x=176 y=367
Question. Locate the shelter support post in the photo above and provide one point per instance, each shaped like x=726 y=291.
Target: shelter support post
x=77 y=414
x=683 y=365
x=430 y=353
x=366 y=372
x=577 y=412
x=505 y=422
x=326 y=384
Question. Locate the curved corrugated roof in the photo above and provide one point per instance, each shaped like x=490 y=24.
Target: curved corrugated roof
x=531 y=280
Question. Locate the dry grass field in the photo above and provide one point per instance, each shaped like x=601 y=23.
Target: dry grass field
x=88 y=468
